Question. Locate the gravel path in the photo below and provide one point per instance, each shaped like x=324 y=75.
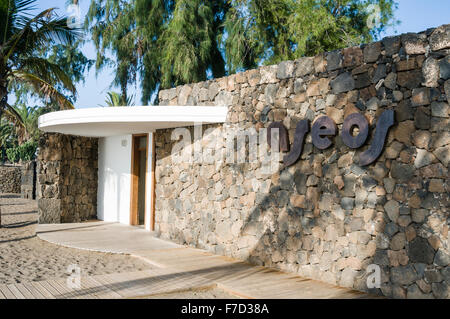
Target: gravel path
x=25 y=257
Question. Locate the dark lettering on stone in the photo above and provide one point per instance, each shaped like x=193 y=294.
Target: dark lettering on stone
x=283 y=136
x=297 y=147
x=323 y=127
x=351 y=121
x=385 y=121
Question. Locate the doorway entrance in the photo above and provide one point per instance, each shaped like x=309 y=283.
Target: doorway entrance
x=139 y=169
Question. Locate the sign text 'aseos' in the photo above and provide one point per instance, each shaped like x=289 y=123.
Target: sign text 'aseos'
x=324 y=127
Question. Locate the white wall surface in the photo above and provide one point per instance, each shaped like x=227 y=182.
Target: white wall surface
x=148 y=190
x=114 y=179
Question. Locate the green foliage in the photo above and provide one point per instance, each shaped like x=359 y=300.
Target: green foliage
x=40 y=57
x=8 y=137
x=115 y=99
x=168 y=43
x=19 y=131
x=186 y=55
x=13 y=154
x=270 y=31
x=25 y=120
x=23 y=152
x=22 y=37
x=71 y=61
x=112 y=24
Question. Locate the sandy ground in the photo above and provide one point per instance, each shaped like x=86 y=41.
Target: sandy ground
x=25 y=257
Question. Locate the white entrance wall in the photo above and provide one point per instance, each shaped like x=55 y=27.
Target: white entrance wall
x=148 y=182
x=114 y=127
x=114 y=179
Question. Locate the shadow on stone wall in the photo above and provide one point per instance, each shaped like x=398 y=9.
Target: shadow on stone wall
x=326 y=217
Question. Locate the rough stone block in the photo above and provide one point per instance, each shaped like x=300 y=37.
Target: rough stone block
x=371 y=52
x=49 y=210
x=304 y=66
x=342 y=83
x=414 y=43
x=440 y=38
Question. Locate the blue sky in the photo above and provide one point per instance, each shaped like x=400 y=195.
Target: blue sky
x=415 y=16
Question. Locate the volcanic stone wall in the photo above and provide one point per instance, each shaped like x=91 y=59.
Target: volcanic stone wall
x=67 y=178
x=10 y=176
x=326 y=217
x=28 y=181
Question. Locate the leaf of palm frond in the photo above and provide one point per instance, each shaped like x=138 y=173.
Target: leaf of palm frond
x=47 y=71
x=12 y=15
x=20 y=11
x=16 y=38
x=57 y=30
x=46 y=31
x=23 y=5
x=13 y=116
x=44 y=89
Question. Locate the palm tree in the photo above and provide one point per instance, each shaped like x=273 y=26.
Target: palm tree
x=25 y=120
x=7 y=138
x=21 y=35
x=116 y=99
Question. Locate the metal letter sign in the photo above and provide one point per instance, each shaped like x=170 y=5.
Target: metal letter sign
x=324 y=127
x=355 y=119
x=385 y=121
x=283 y=134
x=300 y=132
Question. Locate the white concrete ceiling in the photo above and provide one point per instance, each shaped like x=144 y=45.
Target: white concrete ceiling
x=110 y=121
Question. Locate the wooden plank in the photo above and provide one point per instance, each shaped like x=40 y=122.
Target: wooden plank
x=120 y=283
x=61 y=285
x=44 y=292
x=134 y=180
x=98 y=290
x=62 y=292
x=25 y=292
x=2 y=296
x=36 y=293
x=102 y=294
x=147 y=218
x=149 y=286
x=6 y=292
x=129 y=283
x=88 y=289
x=106 y=292
x=15 y=291
x=55 y=293
x=153 y=184
x=115 y=284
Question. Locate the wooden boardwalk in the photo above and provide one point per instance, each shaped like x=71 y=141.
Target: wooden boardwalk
x=176 y=268
x=244 y=283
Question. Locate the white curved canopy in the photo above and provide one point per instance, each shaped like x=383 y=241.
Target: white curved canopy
x=110 y=121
